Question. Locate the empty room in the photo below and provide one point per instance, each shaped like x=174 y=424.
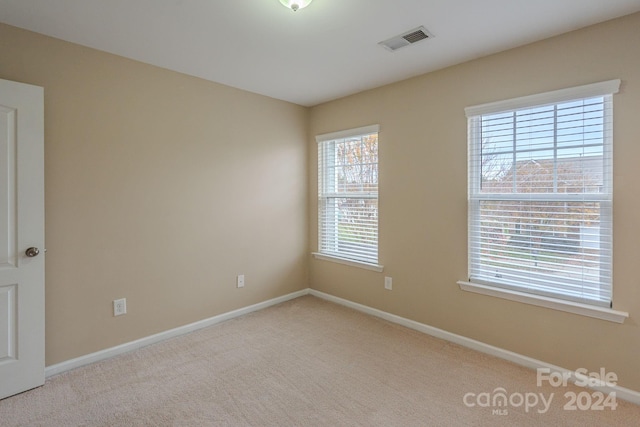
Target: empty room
x=319 y=212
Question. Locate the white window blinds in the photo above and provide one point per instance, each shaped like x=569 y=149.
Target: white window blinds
x=348 y=194
x=540 y=193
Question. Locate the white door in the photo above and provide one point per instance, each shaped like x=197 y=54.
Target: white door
x=21 y=237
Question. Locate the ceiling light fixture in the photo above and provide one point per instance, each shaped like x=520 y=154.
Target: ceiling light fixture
x=296 y=4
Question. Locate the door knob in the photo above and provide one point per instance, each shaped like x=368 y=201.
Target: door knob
x=31 y=252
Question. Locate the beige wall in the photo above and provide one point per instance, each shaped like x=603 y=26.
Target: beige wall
x=160 y=188
x=423 y=216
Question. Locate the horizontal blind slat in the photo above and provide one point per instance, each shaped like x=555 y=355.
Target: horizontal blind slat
x=348 y=194
x=540 y=198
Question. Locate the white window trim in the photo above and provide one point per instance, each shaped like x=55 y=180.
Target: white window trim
x=364 y=130
x=547 y=302
x=587 y=91
x=365 y=265
x=609 y=87
x=348 y=133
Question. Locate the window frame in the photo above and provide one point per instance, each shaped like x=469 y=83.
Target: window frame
x=335 y=255
x=474 y=115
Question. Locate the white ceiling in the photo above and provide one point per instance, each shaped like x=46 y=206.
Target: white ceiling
x=323 y=52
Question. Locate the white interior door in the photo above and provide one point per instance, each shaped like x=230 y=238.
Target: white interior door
x=21 y=237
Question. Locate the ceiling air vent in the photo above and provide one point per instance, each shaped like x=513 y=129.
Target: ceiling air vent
x=407 y=38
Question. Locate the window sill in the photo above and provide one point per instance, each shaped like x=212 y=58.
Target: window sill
x=352 y=263
x=555 y=304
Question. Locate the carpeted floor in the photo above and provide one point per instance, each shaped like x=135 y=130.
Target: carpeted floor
x=306 y=362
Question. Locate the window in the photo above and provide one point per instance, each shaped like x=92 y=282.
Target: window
x=540 y=194
x=348 y=195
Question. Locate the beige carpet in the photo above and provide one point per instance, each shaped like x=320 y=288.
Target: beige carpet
x=305 y=362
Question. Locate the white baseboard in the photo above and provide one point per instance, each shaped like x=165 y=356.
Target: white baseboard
x=152 y=339
x=621 y=392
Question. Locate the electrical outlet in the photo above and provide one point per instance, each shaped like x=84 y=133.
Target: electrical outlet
x=119 y=307
x=388 y=283
x=240 y=281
